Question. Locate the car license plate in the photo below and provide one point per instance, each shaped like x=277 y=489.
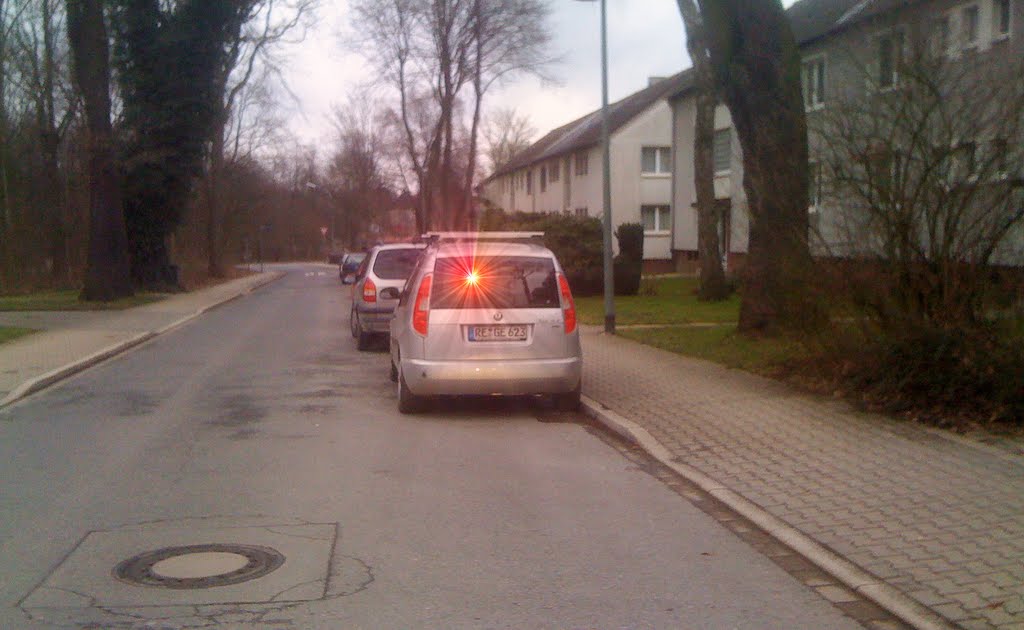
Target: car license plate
x=497 y=333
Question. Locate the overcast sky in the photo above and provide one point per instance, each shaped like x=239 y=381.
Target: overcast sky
x=645 y=38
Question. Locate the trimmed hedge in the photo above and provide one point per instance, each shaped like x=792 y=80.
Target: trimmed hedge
x=576 y=241
x=629 y=263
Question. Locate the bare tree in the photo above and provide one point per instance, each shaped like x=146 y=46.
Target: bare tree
x=924 y=187
x=713 y=285
x=506 y=133
x=357 y=177
x=757 y=67
x=249 y=58
x=42 y=73
x=428 y=53
x=108 y=272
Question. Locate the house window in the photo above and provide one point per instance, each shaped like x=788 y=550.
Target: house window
x=529 y=182
x=814 y=185
x=964 y=167
x=655 y=160
x=970 y=22
x=813 y=78
x=722 y=151
x=999 y=156
x=553 y=172
x=582 y=168
x=940 y=36
x=543 y=178
x=656 y=218
x=890 y=58
x=581 y=212
x=1001 y=17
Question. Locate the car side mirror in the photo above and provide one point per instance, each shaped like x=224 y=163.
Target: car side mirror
x=390 y=293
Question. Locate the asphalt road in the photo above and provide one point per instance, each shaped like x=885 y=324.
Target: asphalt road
x=261 y=420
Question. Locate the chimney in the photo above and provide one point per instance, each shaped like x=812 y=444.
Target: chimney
x=652 y=80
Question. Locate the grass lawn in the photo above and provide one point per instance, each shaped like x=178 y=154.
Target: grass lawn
x=674 y=302
x=722 y=345
x=67 y=300
x=10 y=333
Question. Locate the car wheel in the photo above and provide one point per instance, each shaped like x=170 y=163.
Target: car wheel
x=363 y=340
x=408 y=402
x=568 y=401
x=394 y=373
x=353 y=323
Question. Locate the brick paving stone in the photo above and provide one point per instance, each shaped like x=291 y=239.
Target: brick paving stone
x=945 y=516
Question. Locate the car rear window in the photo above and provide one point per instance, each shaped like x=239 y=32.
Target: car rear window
x=495 y=282
x=395 y=264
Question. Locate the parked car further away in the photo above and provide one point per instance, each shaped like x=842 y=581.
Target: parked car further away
x=349 y=265
x=378 y=283
x=486 y=314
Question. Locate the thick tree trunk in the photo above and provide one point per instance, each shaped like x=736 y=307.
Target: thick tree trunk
x=713 y=285
x=214 y=210
x=107 y=271
x=757 y=66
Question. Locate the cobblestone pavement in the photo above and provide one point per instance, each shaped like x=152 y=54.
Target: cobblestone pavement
x=934 y=516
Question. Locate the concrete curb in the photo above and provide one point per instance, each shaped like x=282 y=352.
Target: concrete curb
x=43 y=381
x=856 y=578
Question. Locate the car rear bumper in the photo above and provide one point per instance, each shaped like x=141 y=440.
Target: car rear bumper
x=375 y=319
x=533 y=376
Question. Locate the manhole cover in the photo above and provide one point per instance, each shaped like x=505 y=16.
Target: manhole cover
x=199 y=566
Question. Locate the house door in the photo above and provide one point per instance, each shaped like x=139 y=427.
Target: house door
x=724 y=211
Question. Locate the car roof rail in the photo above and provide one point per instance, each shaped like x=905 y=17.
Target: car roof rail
x=437 y=237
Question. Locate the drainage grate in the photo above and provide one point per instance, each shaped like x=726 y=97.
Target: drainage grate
x=199 y=566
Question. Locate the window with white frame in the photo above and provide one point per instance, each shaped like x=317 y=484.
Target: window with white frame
x=655 y=160
x=529 y=182
x=543 y=178
x=554 y=171
x=970 y=26
x=814 y=186
x=813 y=81
x=889 y=57
x=721 y=149
x=1001 y=17
x=582 y=163
x=940 y=36
x=656 y=218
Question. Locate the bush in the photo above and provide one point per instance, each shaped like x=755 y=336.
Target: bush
x=941 y=373
x=629 y=263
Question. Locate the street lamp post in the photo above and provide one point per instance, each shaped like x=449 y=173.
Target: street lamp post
x=609 y=273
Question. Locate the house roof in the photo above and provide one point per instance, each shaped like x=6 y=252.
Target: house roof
x=810 y=20
x=586 y=131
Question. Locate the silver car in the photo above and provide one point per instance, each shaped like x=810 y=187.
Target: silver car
x=378 y=282
x=486 y=313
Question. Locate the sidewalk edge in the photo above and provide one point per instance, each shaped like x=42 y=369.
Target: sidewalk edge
x=891 y=599
x=43 y=381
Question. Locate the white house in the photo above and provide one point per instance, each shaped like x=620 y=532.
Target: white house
x=562 y=172
x=848 y=47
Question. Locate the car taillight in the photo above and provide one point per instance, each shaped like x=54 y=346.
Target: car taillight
x=421 y=307
x=568 y=306
x=369 y=291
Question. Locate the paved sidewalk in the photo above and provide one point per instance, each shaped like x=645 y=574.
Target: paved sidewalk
x=937 y=517
x=71 y=341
